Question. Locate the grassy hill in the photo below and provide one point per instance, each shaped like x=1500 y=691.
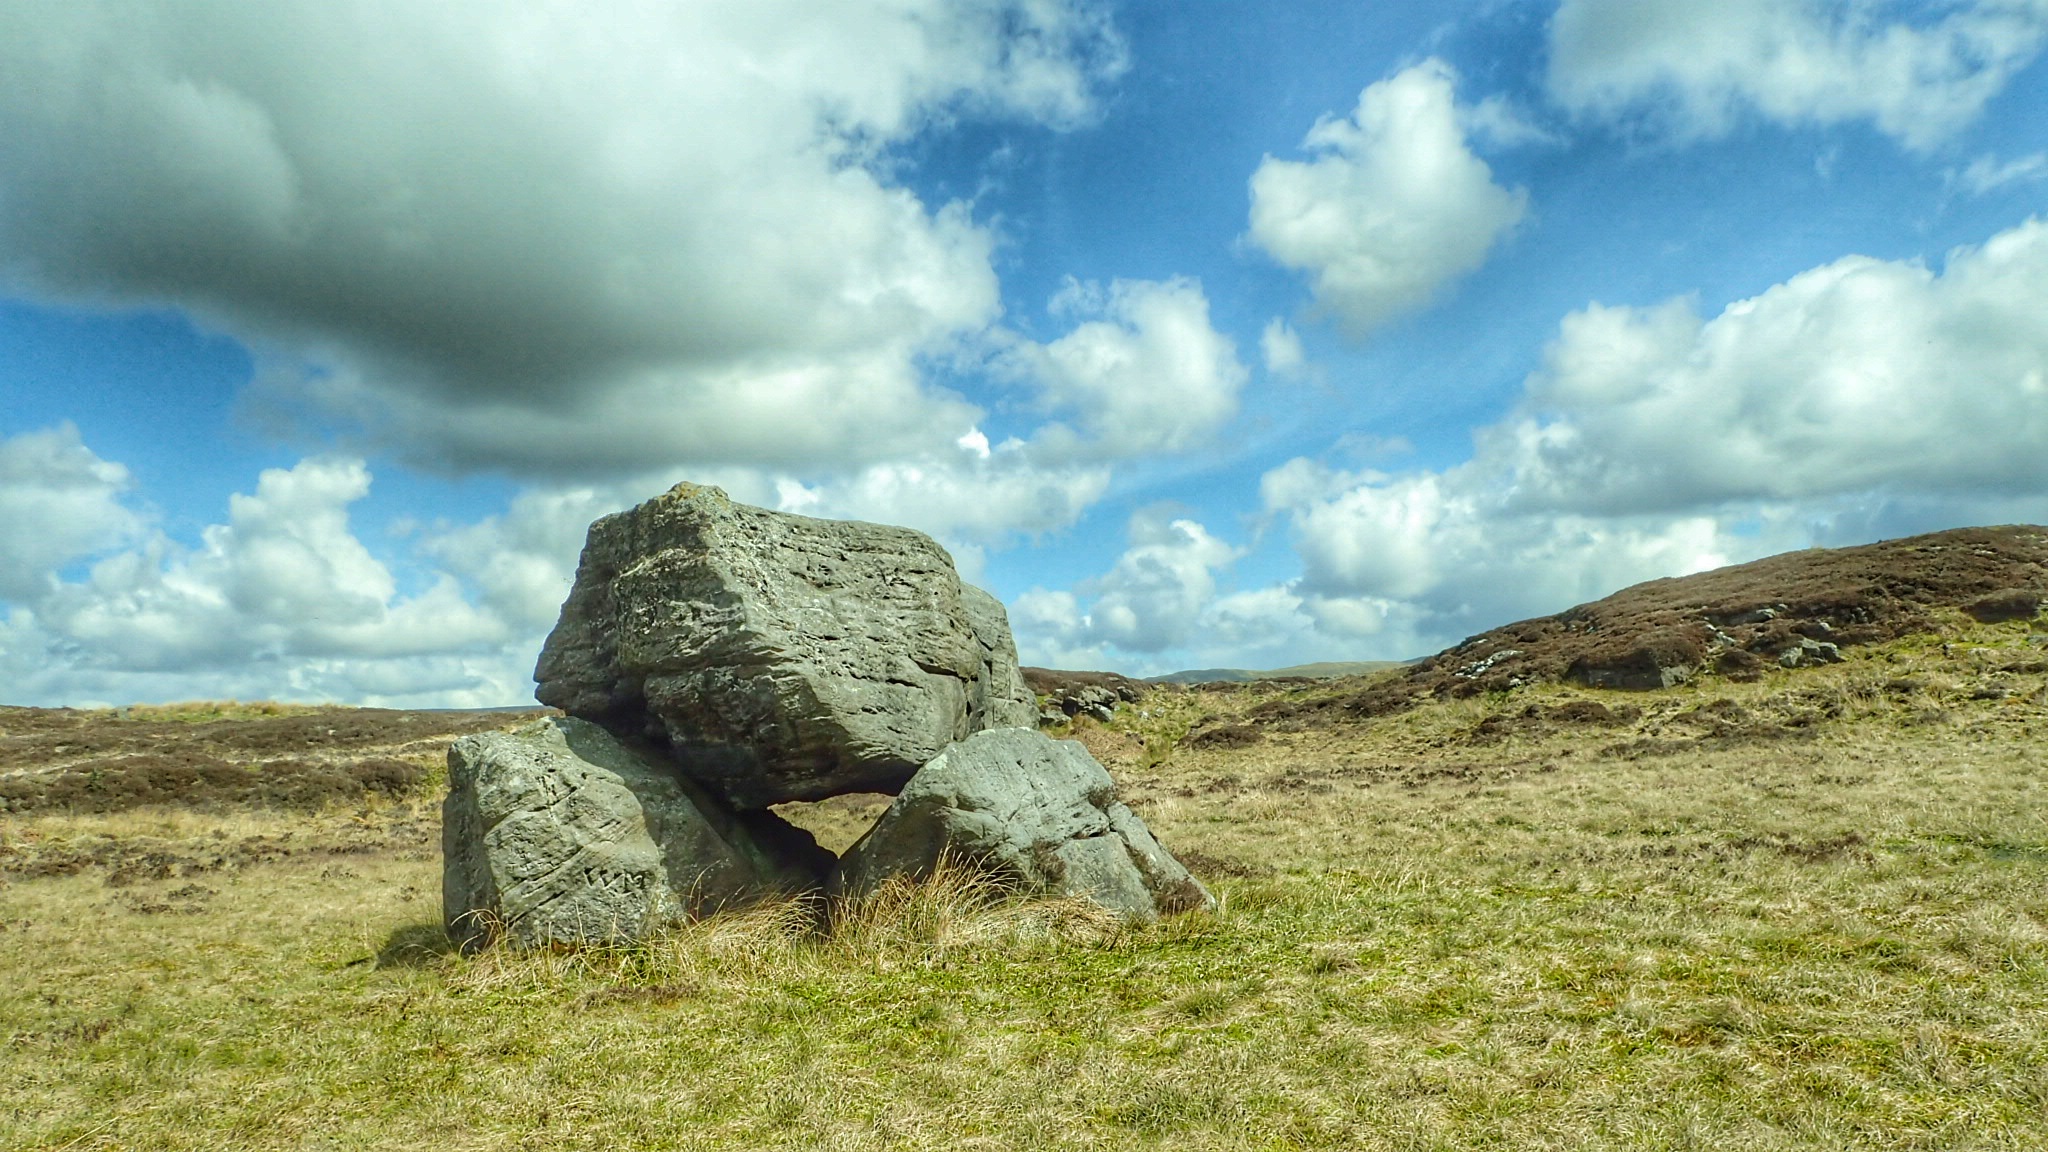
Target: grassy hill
x=1806 y=908
x=1321 y=671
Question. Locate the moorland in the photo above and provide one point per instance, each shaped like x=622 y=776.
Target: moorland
x=1767 y=907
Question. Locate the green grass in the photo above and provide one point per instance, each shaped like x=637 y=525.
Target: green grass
x=1831 y=935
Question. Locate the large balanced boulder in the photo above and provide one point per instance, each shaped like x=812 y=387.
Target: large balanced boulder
x=779 y=657
x=558 y=833
x=1039 y=814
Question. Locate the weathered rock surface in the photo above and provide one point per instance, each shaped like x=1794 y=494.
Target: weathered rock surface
x=779 y=657
x=1036 y=812
x=560 y=834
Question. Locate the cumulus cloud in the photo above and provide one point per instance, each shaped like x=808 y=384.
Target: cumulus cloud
x=1163 y=606
x=520 y=564
x=1859 y=399
x=1153 y=599
x=1696 y=69
x=1393 y=206
x=1421 y=558
x=58 y=502
x=1853 y=376
x=283 y=598
x=1142 y=372
x=283 y=578
x=976 y=495
x=540 y=237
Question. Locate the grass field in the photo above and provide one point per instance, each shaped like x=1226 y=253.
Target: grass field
x=1809 y=912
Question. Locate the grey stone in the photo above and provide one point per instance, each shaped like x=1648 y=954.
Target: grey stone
x=779 y=657
x=560 y=834
x=1810 y=651
x=1037 y=813
x=1091 y=700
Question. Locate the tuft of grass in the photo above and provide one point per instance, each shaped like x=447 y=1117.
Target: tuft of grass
x=206 y=711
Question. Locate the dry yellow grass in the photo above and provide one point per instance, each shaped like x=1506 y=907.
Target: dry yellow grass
x=1810 y=912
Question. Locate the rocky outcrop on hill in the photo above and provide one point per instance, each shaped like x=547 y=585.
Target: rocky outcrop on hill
x=716 y=659
x=1795 y=610
x=779 y=657
x=1038 y=814
x=558 y=833
x=1066 y=695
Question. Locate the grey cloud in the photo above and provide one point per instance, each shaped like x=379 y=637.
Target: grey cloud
x=477 y=222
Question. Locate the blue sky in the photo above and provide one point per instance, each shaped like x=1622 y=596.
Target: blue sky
x=1203 y=334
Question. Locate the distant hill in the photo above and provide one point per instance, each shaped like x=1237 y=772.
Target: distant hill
x=1782 y=611
x=1323 y=671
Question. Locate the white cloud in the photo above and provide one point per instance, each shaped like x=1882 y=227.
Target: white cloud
x=283 y=600
x=1143 y=372
x=1280 y=345
x=1696 y=69
x=1857 y=400
x=283 y=578
x=1393 y=207
x=58 y=502
x=1419 y=559
x=974 y=495
x=542 y=237
x=1498 y=122
x=522 y=563
x=1153 y=599
x=1853 y=376
x=1987 y=174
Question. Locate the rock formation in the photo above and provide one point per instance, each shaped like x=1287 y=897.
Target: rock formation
x=560 y=834
x=1038 y=813
x=716 y=659
x=779 y=657
x=1071 y=694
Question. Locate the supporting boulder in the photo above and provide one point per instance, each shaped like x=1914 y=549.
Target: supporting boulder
x=779 y=657
x=557 y=833
x=1037 y=813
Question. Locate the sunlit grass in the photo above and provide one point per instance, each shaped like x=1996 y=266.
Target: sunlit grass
x=203 y=711
x=1820 y=921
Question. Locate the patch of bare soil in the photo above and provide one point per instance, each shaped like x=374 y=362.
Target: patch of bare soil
x=68 y=760
x=1796 y=609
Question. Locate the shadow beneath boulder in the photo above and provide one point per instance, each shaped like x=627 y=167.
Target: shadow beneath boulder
x=415 y=946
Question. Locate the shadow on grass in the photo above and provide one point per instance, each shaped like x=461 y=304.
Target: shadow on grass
x=415 y=946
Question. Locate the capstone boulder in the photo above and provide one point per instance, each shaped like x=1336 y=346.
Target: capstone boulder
x=1036 y=813
x=779 y=657
x=558 y=833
